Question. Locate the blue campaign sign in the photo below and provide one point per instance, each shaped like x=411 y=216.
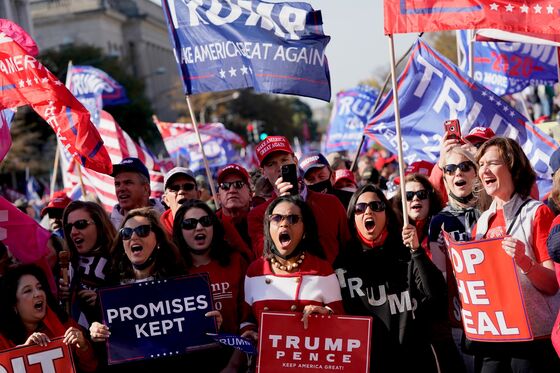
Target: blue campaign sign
x=157 y=318
x=431 y=90
x=352 y=110
x=506 y=68
x=273 y=47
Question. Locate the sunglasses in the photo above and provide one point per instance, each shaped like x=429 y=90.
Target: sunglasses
x=465 y=166
x=290 y=219
x=78 y=224
x=376 y=206
x=236 y=184
x=190 y=224
x=421 y=194
x=141 y=231
x=185 y=187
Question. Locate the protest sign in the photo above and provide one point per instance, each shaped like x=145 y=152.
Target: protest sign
x=490 y=291
x=56 y=357
x=157 y=318
x=329 y=343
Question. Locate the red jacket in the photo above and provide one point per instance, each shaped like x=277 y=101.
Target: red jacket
x=331 y=222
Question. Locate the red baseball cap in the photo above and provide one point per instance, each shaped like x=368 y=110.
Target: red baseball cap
x=59 y=201
x=382 y=161
x=272 y=144
x=344 y=175
x=233 y=169
x=480 y=134
x=418 y=167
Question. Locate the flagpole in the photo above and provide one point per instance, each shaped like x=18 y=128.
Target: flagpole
x=377 y=101
x=206 y=166
x=398 y=127
x=471 y=53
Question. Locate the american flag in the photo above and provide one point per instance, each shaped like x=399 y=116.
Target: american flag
x=119 y=145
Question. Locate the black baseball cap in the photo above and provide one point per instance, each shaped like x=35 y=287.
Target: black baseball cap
x=131 y=164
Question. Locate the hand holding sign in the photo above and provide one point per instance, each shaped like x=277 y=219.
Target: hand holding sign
x=75 y=337
x=40 y=339
x=311 y=309
x=516 y=249
x=99 y=332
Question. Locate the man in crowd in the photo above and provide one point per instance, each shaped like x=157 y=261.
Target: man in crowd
x=179 y=186
x=272 y=153
x=234 y=194
x=54 y=210
x=319 y=176
x=132 y=187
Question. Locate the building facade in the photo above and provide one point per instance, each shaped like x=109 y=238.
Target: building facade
x=131 y=30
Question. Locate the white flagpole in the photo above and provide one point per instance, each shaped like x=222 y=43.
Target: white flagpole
x=398 y=126
x=471 y=34
x=206 y=166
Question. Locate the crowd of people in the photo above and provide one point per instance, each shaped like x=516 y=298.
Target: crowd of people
x=332 y=242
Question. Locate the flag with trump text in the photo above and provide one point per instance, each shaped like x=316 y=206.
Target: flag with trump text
x=272 y=47
x=119 y=145
x=432 y=90
x=506 y=68
x=402 y=16
x=352 y=110
x=220 y=144
x=25 y=81
x=94 y=88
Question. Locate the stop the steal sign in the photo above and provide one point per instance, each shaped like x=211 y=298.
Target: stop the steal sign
x=330 y=343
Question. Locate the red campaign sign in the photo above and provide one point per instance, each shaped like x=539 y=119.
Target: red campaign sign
x=55 y=357
x=490 y=292
x=330 y=343
x=403 y=16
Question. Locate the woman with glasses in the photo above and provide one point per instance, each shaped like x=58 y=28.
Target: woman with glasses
x=30 y=315
x=399 y=286
x=292 y=275
x=89 y=234
x=199 y=235
x=523 y=224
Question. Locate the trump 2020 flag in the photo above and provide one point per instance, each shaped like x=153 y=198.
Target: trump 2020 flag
x=273 y=47
x=431 y=90
x=352 y=110
x=506 y=68
x=25 y=81
x=539 y=17
x=94 y=88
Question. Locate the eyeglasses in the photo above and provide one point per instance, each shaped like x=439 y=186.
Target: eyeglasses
x=376 y=206
x=290 y=219
x=78 y=224
x=236 y=184
x=185 y=187
x=421 y=194
x=465 y=166
x=141 y=231
x=190 y=224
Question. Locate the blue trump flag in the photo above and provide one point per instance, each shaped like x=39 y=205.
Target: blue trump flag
x=431 y=90
x=352 y=110
x=506 y=68
x=94 y=88
x=273 y=47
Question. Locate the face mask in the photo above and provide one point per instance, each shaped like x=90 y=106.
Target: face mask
x=322 y=187
x=349 y=189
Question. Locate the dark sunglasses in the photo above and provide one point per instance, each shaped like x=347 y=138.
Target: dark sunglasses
x=190 y=224
x=290 y=219
x=141 y=231
x=465 y=166
x=78 y=224
x=185 y=187
x=421 y=194
x=236 y=184
x=376 y=206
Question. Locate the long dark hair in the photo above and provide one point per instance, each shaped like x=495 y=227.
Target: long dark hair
x=11 y=325
x=310 y=241
x=393 y=221
x=106 y=232
x=168 y=260
x=220 y=250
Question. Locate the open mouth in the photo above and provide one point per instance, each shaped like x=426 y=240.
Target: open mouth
x=78 y=241
x=460 y=183
x=489 y=181
x=200 y=238
x=181 y=200
x=284 y=238
x=39 y=305
x=369 y=224
x=416 y=207
x=136 y=248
